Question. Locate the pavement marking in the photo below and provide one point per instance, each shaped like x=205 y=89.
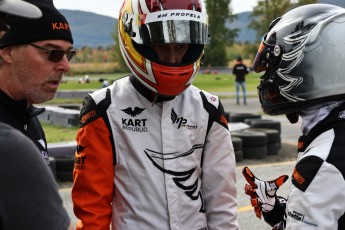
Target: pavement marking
x=268 y=164
x=245 y=209
x=65 y=189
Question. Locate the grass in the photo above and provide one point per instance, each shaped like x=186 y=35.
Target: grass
x=209 y=82
x=55 y=133
x=224 y=82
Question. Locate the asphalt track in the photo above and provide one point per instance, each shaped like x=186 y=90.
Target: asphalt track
x=264 y=170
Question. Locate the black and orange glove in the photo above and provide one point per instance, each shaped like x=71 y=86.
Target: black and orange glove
x=262 y=193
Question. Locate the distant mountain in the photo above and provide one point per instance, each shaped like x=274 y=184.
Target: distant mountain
x=94 y=30
x=241 y=22
x=90 y=29
x=340 y=3
x=248 y=35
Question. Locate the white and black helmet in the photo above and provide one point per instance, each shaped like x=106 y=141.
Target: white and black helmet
x=303 y=56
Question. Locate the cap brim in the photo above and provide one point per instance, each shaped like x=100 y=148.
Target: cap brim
x=20 y=8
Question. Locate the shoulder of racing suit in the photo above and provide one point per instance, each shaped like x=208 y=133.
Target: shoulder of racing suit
x=92 y=110
x=215 y=109
x=309 y=166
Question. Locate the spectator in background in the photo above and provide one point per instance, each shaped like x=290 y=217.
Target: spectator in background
x=104 y=81
x=29 y=196
x=240 y=71
x=84 y=80
x=34 y=53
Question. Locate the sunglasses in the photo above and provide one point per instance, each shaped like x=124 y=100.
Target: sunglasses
x=56 y=55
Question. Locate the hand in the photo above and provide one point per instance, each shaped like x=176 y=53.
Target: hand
x=262 y=193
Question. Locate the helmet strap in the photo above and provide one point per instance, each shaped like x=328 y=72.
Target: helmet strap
x=292 y=117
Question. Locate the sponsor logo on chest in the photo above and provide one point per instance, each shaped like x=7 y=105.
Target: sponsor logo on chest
x=180 y=121
x=134 y=124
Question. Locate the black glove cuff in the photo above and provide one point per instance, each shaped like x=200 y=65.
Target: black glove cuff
x=276 y=215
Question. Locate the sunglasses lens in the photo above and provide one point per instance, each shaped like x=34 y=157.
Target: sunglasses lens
x=70 y=54
x=57 y=55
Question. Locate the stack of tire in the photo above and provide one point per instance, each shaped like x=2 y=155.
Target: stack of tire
x=271 y=128
x=52 y=165
x=254 y=143
x=273 y=139
x=241 y=117
x=64 y=168
x=62 y=160
x=261 y=139
x=237 y=143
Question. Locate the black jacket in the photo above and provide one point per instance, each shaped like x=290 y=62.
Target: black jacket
x=240 y=70
x=24 y=119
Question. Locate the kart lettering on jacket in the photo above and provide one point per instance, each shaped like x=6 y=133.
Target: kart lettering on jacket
x=134 y=125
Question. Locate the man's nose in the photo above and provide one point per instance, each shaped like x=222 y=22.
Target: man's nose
x=63 y=65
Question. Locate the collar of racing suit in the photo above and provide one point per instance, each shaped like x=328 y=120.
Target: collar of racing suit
x=319 y=119
x=313 y=115
x=153 y=97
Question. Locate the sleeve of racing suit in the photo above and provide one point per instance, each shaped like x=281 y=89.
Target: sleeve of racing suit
x=218 y=178
x=317 y=194
x=93 y=174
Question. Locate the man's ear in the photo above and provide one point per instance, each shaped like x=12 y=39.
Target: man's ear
x=6 y=54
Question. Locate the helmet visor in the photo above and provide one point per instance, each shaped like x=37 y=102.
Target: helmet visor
x=171 y=27
x=268 y=55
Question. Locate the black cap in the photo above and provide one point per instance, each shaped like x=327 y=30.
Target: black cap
x=51 y=26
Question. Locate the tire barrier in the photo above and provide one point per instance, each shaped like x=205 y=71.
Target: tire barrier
x=64 y=168
x=266 y=123
x=62 y=149
x=227 y=116
x=254 y=143
x=63 y=155
x=73 y=106
x=60 y=116
x=248 y=121
x=238 y=147
x=240 y=117
x=73 y=93
x=52 y=166
x=273 y=139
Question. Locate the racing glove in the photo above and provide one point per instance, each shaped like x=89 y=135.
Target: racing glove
x=263 y=197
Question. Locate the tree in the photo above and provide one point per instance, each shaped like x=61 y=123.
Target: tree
x=122 y=66
x=219 y=13
x=268 y=10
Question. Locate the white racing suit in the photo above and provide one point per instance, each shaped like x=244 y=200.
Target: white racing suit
x=163 y=165
x=317 y=194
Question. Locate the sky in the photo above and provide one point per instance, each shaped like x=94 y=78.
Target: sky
x=111 y=7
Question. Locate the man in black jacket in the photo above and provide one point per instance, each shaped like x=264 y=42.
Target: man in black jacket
x=35 y=53
x=23 y=173
x=240 y=71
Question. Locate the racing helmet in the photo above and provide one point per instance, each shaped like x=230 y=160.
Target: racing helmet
x=303 y=56
x=143 y=23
